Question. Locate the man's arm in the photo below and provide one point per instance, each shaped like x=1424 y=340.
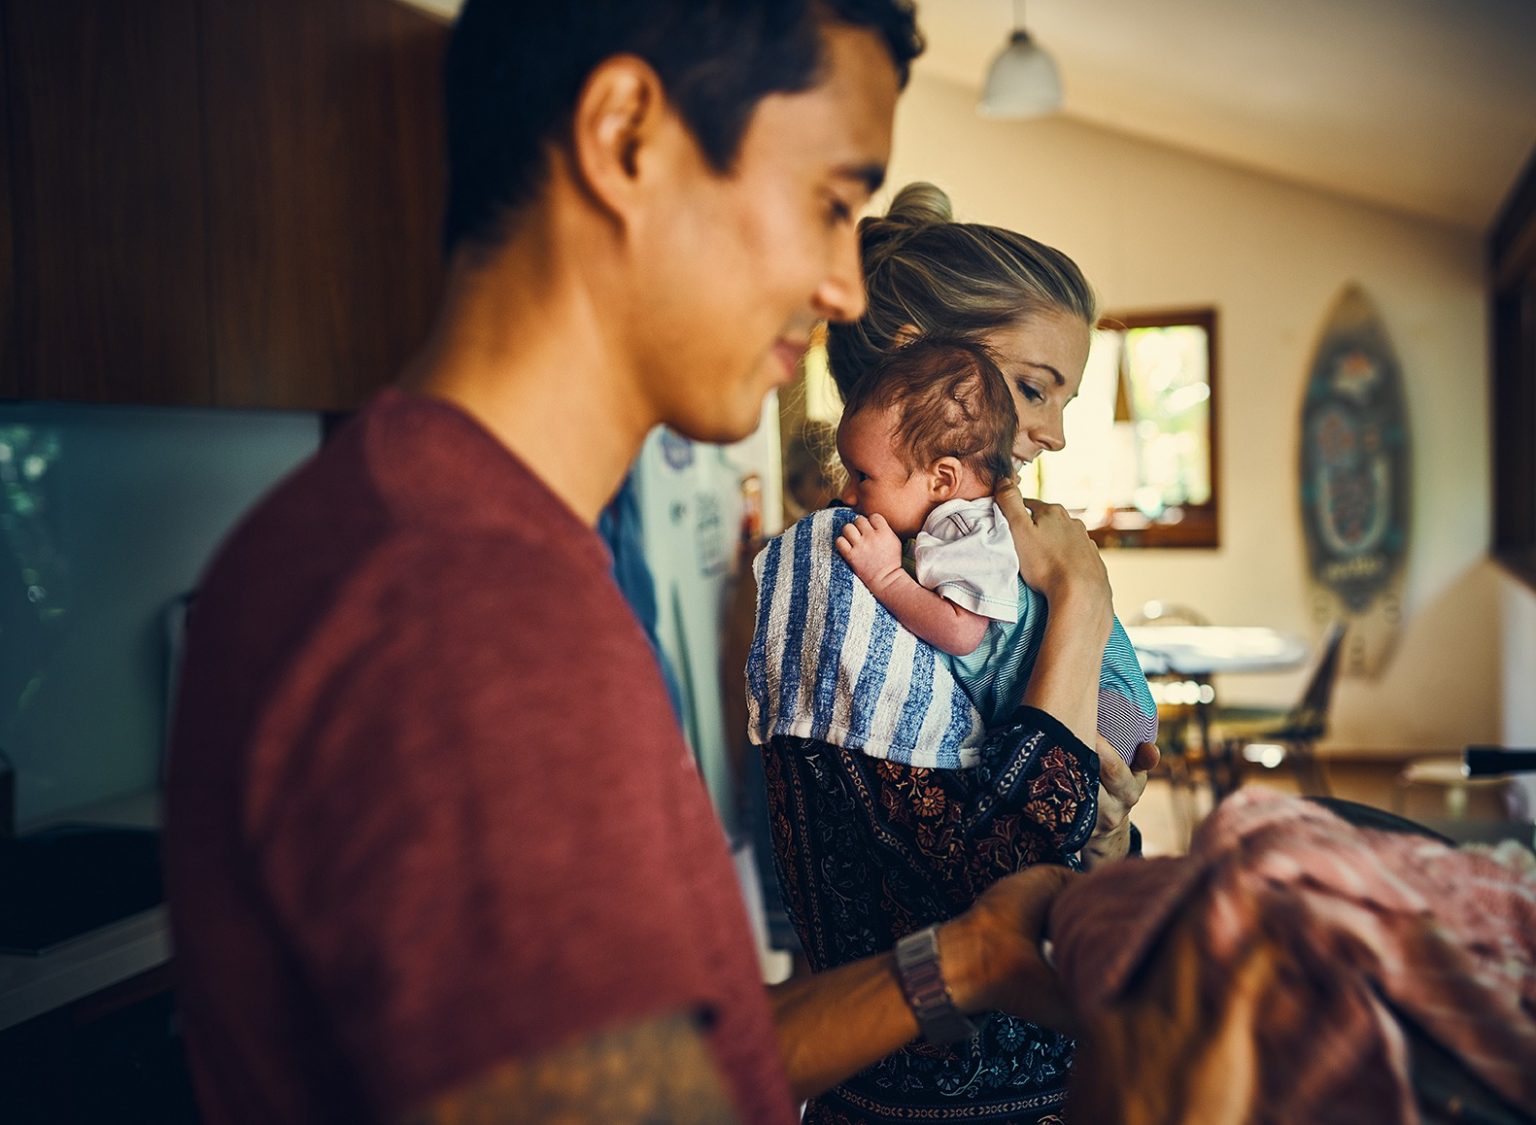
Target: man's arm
x=873 y=552
x=660 y=1069
x=830 y=1025
x=836 y=1023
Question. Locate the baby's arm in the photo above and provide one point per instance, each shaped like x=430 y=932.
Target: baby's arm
x=873 y=551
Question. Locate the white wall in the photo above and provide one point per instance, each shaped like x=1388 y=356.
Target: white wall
x=1518 y=605
x=1156 y=228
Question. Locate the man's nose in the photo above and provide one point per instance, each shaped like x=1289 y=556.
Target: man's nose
x=840 y=296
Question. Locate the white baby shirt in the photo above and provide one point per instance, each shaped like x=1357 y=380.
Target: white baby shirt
x=965 y=553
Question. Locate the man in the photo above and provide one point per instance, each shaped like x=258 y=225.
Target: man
x=435 y=848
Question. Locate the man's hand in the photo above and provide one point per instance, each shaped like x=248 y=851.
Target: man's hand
x=871 y=549
x=1120 y=787
x=991 y=953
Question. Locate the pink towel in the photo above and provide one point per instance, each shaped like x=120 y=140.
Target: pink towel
x=1377 y=925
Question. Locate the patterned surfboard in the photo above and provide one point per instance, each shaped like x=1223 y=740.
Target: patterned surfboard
x=1355 y=476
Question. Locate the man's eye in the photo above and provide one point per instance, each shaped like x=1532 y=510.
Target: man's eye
x=838 y=212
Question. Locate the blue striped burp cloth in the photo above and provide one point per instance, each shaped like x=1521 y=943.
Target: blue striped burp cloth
x=829 y=662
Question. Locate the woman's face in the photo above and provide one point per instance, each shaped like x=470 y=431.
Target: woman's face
x=1042 y=356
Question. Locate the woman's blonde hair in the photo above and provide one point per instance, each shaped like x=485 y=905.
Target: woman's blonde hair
x=962 y=280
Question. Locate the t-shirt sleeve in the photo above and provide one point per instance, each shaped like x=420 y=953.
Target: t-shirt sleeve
x=977 y=569
x=495 y=842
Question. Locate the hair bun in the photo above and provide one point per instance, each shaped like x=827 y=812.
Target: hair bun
x=915 y=206
x=920 y=204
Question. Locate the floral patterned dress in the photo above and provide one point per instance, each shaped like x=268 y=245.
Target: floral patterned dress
x=868 y=850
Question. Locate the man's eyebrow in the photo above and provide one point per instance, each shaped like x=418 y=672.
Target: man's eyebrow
x=871 y=176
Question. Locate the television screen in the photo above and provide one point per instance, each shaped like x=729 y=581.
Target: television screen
x=107 y=516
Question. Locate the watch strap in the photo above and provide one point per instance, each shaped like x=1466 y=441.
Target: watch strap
x=922 y=981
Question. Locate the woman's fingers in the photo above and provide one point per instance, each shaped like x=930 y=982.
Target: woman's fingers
x=1120 y=787
x=1011 y=501
x=1123 y=785
x=1054 y=550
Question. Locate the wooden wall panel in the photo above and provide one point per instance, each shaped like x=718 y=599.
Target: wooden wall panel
x=10 y=356
x=324 y=142
x=1512 y=267
x=106 y=193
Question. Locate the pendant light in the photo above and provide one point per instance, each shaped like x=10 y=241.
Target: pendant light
x=1023 y=80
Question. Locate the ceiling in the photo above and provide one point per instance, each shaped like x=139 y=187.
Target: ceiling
x=1423 y=106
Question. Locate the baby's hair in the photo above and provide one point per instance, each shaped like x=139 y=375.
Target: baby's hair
x=951 y=401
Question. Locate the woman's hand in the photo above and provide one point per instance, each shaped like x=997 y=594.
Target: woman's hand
x=1057 y=559
x=1056 y=556
x=1120 y=787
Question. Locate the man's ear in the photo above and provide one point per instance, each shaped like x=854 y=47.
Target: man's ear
x=944 y=479
x=618 y=113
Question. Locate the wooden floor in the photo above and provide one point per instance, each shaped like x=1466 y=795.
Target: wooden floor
x=1166 y=814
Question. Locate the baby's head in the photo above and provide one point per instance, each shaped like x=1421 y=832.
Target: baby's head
x=933 y=422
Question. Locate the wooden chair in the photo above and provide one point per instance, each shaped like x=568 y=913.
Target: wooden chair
x=1296 y=730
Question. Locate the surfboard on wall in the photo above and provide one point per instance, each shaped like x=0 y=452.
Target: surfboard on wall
x=1355 y=475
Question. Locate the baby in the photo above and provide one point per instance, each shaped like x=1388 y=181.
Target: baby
x=926 y=441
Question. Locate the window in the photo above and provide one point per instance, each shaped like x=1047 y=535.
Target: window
x=1140 y=463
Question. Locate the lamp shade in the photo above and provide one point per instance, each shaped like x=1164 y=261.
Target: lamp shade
x=1022 y=81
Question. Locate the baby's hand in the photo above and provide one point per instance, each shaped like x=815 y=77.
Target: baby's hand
x=871 y=549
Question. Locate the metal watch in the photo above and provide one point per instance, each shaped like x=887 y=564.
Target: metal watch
x=922 y=980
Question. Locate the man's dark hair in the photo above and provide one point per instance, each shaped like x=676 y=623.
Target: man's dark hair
x=514 y=70
x=951 y=400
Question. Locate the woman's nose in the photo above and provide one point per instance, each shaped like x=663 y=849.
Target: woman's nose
x=1048 y=434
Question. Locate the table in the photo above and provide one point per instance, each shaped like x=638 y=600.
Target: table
x=1195 y=651
x=1181 y=659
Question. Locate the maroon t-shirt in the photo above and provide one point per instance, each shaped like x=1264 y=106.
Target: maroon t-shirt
x=428 y=807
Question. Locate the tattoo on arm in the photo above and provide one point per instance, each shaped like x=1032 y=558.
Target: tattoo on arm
x=659 y=1070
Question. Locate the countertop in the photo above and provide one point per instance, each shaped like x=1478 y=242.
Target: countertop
x=31 y=986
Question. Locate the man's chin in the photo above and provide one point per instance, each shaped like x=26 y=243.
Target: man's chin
x=720 y=430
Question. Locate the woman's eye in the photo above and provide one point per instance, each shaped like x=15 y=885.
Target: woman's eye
x=1030 y=392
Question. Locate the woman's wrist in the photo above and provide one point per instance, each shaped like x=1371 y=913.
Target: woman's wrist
x=1085 y=605
x=1108 y=845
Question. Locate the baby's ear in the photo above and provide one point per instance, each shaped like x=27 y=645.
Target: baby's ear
x=944 y=479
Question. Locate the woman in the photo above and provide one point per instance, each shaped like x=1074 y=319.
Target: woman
x=868 y=850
